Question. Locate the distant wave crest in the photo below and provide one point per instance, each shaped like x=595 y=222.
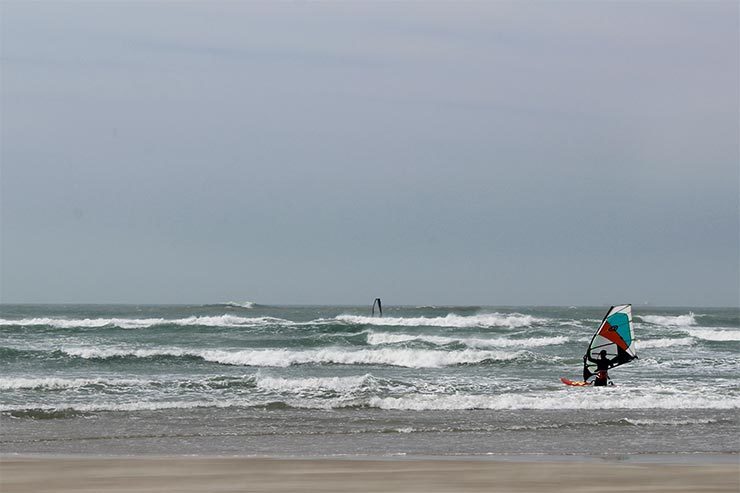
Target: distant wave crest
x=243 y=304
x=380 y=338
x=663 y=343
x=491 y=320
x=718 y=334
x=508 y=320
x=670 y=320
x=142 y=323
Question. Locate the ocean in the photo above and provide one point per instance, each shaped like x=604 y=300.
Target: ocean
x=253 y=380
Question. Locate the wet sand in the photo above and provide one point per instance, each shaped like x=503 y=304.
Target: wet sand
x=218 y=474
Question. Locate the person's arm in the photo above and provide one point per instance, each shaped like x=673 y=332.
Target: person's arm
x=587 y=356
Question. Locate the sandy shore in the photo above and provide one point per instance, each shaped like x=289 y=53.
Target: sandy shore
x=215 y=474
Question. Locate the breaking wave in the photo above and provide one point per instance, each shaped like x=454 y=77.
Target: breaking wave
x=336 y=384
x=410 y=358
x=379 y=338
x=488 y=320
x=244 y=304
x=521 y=401
x=142 y=323
x=670 y=320
x=715 y=334
x=414 y=402
x=663 y=343
x=75 y=409
x=64 y=383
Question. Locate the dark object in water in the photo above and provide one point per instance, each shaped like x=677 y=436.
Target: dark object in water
x=380 y=307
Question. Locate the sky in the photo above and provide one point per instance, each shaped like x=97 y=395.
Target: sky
x=477 y=153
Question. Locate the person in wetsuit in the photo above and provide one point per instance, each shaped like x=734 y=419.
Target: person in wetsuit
x=602 y=366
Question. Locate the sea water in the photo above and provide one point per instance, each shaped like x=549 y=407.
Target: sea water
x=248 y=379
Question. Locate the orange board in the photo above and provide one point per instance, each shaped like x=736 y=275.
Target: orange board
x=567 y=381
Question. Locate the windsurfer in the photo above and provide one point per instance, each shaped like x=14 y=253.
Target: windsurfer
x=612 y=345
x=602 y=366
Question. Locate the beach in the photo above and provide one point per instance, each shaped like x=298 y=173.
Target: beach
x=219 y=474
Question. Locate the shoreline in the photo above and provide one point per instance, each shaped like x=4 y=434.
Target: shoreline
x=685 y=458
x=24 y=474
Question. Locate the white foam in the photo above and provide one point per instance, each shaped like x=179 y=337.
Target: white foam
x=105 y=353
x=411 y=358
x=709 y=334
x=428 y=402
x=230 y=321
x=337 y=384
x=63 y=383
x=62 y=323
x=663 y=343
x=668 y=422
x=129 y=406
x=510 y=320
x=244 y=304
x=141 y=323
x=567 y=400
x=669 y=320
x=379 y=338
x=704 y=366
x=571 y=399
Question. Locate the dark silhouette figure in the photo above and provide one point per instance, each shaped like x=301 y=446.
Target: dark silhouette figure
x=380 y=307
x=602 y=366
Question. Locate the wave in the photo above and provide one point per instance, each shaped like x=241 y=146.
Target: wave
x=488 y=320
x=75 y=409
x=669 y=422
x=379 y=338
x=700 y=366
x=9 y=353
x=514 y=320
x=720 y=335
x=108 y=353
x=417 y=402
x=51 y=383
x=337 y=384
x=42 y=413
x=142 y=323
x=300 y=385
x=670 y=320
x=97 y=384
x=244 y=304
x=618 y=422
x=410 y=358
x=663 y=343
x=519 y=401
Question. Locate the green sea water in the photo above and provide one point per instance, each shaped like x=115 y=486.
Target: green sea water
x=248 y=379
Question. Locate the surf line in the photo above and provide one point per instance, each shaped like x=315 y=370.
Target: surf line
x=380 y=307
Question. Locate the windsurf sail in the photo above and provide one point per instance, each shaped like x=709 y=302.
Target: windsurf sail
x=616 y=336
x=379 y=305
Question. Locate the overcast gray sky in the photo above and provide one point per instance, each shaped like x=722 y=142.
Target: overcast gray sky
x=464 y=153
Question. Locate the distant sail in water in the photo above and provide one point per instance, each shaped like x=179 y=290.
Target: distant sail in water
x=615 y=335
x=380 y=307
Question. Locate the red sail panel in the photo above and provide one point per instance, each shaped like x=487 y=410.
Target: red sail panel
x=609 y=332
